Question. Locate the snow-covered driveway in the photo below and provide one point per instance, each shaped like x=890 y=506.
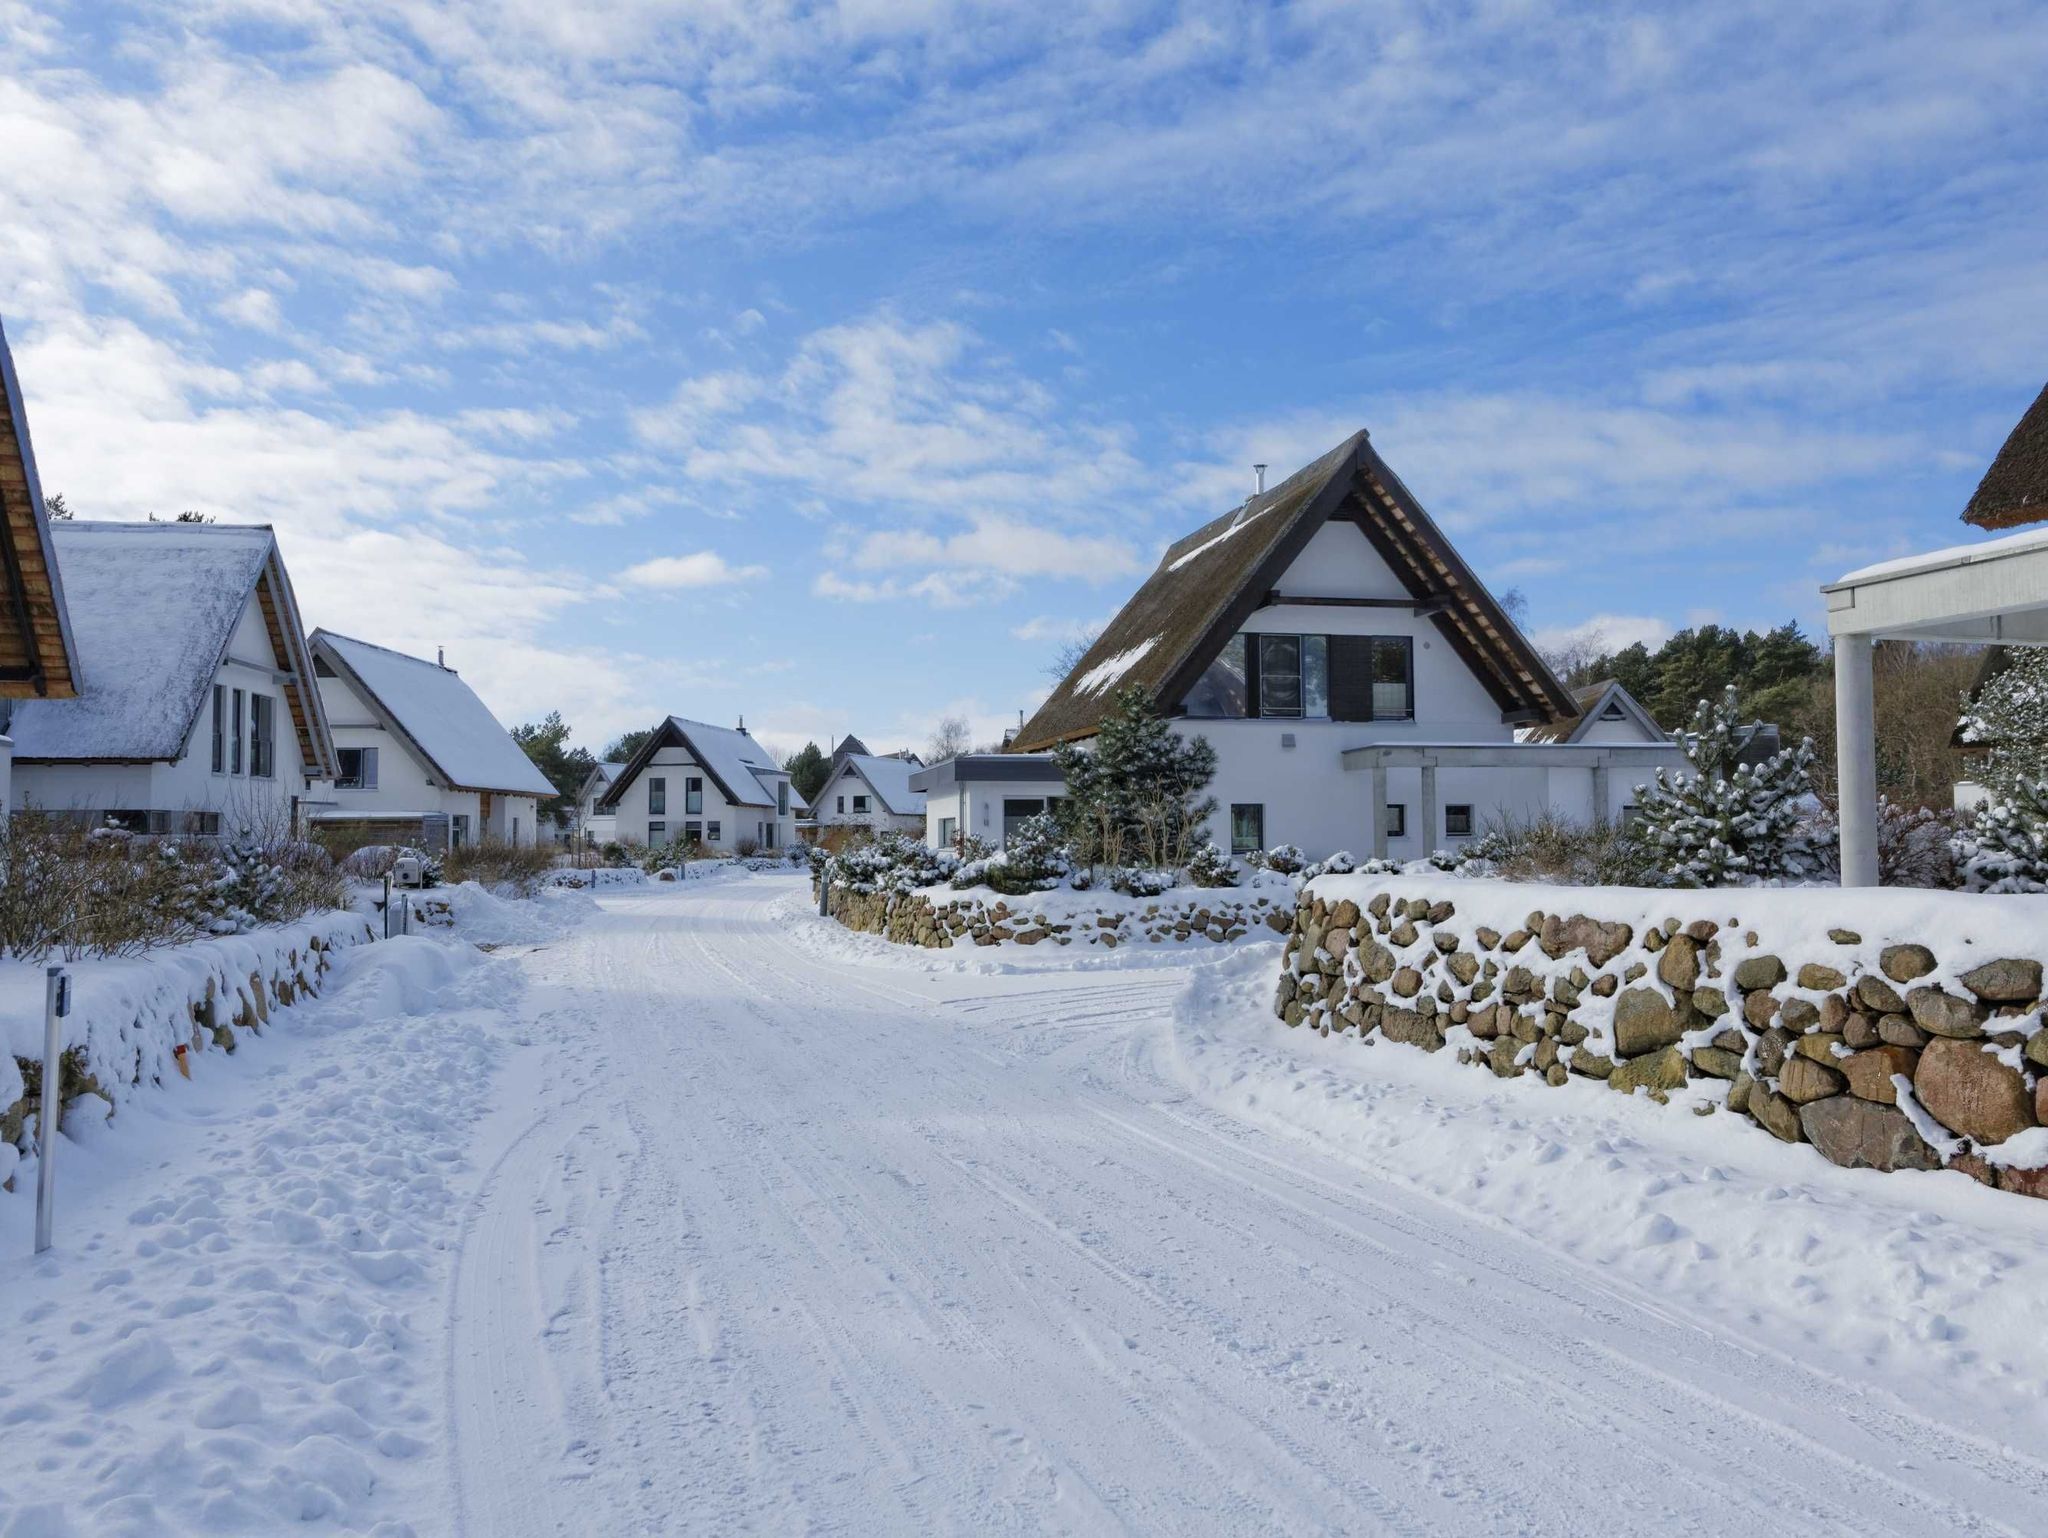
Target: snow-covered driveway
x=782 y=1243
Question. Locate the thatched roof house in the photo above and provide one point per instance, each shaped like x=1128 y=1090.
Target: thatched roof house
x=38 y=657
x=2014 y=490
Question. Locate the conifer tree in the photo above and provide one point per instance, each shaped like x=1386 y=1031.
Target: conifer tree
x=2009 y=720
x=2005 y=848
x=1726 y=821
x=1135 y=795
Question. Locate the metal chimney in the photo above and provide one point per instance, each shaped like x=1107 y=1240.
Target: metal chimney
x=1259 y=476
x=440 y=656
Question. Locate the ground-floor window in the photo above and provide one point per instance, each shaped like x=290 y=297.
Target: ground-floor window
x=458 y=830
x=657 y=832
x=711 y=833
x=1247 y=827
x=1397 y=820
x=693 y=832
x=1017 y=808
x=1457 y=821
x=949 y=830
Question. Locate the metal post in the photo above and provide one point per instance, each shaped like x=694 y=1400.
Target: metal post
x=1600 y=793
x=387 y=905
x=404 y=913
x=1379 y=808
x=824 y=895
x=56 y=1005
x=1428 y=807
x=1856 y=758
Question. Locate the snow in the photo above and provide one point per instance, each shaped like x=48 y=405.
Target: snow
x=890 y=779
x=702 y=1216
x=1105 y=674
x=1953 y=555
x=152 y=606
x=740 y=763
x=1243 y=521
x=443 y=715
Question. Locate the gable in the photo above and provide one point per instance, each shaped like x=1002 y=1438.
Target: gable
x=38 y=653
x=1209 y=584
x=737 y=765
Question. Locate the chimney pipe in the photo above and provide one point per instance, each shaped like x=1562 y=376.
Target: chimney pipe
x=440 y=656
x=1259 y=476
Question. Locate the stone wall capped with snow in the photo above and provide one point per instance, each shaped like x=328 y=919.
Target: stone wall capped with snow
x=1105 y=920
x=1891 y=1030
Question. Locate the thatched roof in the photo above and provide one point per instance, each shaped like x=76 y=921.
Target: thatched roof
x=1594 y=700
x=1209 y=583
x=2014 y=490
x=38 y=656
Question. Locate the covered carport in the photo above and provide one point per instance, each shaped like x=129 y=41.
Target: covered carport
x=1992 y=593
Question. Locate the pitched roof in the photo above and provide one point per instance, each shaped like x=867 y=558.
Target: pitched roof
x=744 y=771
x=153 y=607
x=1209 y=583
x=2015 y=489
x=437 y=715
x=1593 y=701
x=38 y=653
x=890 y=780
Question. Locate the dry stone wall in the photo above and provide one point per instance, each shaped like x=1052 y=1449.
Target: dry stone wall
x=1220 y=916
x=1878 y=1050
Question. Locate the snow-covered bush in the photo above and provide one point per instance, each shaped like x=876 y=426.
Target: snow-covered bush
x=1339 y=864
x=890 y=862
x=507 y=869
x=1726 y=822
x=1287 y=859
x=1134 y=794
x=1033 y=860
x=2005 y=848
x=1140 y=880
x=2008 y=718
x=1209 y=866
x=1447 y=859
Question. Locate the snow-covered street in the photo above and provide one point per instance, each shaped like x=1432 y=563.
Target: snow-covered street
x=765 y=1227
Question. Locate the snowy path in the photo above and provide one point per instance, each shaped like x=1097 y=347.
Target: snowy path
x=783 y=1244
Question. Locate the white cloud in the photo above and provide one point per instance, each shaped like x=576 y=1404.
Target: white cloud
x=255 y=308
x=1602 y=633
x=703 y=568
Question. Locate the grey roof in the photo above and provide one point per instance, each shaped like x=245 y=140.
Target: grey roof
x=892 y=779
x=1209 y=583
x=975 y=768
x=744 y=771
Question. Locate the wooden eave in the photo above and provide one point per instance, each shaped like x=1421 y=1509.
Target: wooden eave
x=38 y=658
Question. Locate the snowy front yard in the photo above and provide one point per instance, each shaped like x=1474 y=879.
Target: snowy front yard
x=692 y=1212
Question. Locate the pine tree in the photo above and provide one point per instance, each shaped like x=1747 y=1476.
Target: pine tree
x=2009 y=720
x=2005 y=848
x=807 y=768
x=1725 y=821
x=1132 y=796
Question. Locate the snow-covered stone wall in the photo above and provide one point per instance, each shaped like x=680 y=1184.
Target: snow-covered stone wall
x=942 y=918
x=132 y=1019
x=1889 y=1029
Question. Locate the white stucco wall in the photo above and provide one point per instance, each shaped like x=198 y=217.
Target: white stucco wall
x=675 y=766
x=847 y=784
x=977 y=806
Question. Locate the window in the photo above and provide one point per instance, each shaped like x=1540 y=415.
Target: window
x=860 y=806
x=657 y=797
x=220 y=732
x=458 y=829
x=949 y=828
x=235 y=761
x=358 y=769
x=1220 y=693
x=1247 y=827
x=1614 y=712
x=515 y=833
x=711 y=833
x=262 y=735
x=693 y=832
x=693 y=797
x=1393 y=678
x=657 y=834
x=842 y=803
x=1341 y=678
x=1279 y=675
x=782 y=798
x=1397 y=821
x=1371 y=678
x=1457 y=822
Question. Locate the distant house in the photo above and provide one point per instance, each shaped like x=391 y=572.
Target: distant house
x=691 y=782
x=595 y=827
x=870 y=790
x=420 y=759
x=1607 y=713
x=195 y=710
x=986 y=795
x=1360 y=685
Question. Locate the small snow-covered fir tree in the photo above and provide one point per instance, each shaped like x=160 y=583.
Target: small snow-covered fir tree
x=2005 y=848
x=1728 y=822
x=2009 y=720
x=1210 y=866
x=1134 y=796
x=252 y=885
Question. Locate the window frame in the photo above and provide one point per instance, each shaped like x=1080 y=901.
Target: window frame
x=220 y=736
x=657 y=834
x=711 y=833
x=1459 y=811
x=1396 y=813
x=693 y=795
x=657 y=795
x=863 y=806
x=1329 y=643
x=239 y=746
x=262 y=736
x=1257 y=842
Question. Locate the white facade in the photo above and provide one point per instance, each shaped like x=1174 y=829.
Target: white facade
x=677 y=792
x=864 y=792
x=194 y=791
x=1283 y=780
x=985 y=794
x=594 y=825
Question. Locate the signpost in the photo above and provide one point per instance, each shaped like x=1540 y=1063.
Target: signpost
x=56 y=1005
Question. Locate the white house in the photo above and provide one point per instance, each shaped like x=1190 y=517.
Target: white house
x=870 y=790
x=986 y=795
x=1360 y=685
x=593 y=826
x=195 y=711
x=691 y=782
x=420 y=759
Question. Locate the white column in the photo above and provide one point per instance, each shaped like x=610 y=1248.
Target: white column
x=1600 y=812
x=1428 y=807
x=1379 y=809
x=1856 y=759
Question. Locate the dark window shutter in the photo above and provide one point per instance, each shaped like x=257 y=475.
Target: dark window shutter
x=1350 y=678
x=1251 y=675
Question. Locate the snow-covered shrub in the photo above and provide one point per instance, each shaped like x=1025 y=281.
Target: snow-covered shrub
x=746 y=846
x=2005 y=848
x=2008 y=718
x=798 y=855
x=507 y=869
x=1082 y=879
x=1447 y=859
x=1209 y=866
x=1287 y=859
x=1552 y=848
x=1034 y=859
x=1140 y=880
x=1726 y=822
x=1339 y=864
x=890 y=862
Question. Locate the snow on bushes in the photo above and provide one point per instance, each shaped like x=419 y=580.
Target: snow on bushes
x=1729 y=822
x=2005 y=848
x=1211 y=867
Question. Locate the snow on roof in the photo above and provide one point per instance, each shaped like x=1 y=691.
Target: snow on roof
x=1953 y=555
x=441 y=715
x=152 y=607
x=1107 y=672
x=890 y=778
x=739 y=763
x=611 y=768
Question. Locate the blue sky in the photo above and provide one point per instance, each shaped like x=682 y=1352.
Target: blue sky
x=830 y=363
